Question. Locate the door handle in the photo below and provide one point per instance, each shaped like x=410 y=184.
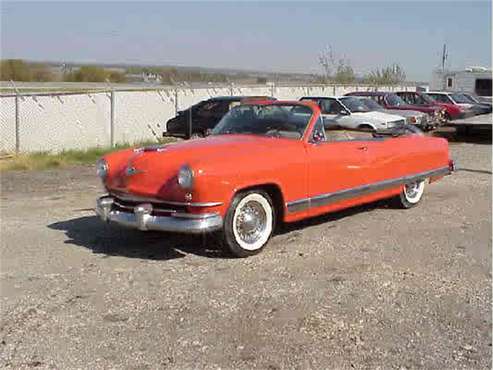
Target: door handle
x=364 y=148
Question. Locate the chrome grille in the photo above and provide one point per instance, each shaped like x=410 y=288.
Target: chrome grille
x=400 y=122
x=157 y=208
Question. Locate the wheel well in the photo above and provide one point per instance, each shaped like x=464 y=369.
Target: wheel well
x=275 y=195
x=366 y=126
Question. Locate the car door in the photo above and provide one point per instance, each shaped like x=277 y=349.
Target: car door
x=334 y=114
x=336 y=168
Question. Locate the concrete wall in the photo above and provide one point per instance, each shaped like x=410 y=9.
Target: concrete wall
x=79 y=121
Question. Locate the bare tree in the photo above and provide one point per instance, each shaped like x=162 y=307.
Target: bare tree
x=337 y=69
x=344 y=72
x=390 y=75
x=327 y=62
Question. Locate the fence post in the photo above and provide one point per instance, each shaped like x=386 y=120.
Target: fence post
x=17 y=125
x=272 y=89
x=231 y=89
x=112 y=118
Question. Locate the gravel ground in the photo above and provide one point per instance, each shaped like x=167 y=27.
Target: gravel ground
x=370 y=287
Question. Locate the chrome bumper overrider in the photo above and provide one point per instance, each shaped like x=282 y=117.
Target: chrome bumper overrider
x=142 y=218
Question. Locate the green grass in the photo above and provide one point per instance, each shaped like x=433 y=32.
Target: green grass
x=46 y=160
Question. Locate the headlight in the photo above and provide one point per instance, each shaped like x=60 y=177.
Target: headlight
x=185 y=177
x=102 y=168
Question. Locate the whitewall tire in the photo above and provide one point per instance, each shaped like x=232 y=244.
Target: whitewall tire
x=412 y=193
x=249 y=223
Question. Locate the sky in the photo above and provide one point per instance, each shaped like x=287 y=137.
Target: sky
x=274 y=36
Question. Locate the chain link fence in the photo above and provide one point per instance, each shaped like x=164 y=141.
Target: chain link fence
x=33 y=122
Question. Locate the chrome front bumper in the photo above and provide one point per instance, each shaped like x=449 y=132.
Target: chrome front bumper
x=142 y=218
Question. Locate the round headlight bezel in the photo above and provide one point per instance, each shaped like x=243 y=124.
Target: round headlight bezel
x=185 y=177
x=102 y=168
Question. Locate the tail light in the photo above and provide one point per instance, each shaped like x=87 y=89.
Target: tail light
x=451 y=165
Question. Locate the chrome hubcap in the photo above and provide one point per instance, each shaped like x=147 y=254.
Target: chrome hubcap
x=251 y=222
x=412 y=189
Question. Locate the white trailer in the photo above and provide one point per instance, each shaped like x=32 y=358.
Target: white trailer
x=475 y=80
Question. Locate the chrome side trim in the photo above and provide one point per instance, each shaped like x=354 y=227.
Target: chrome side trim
x=139 y=199
x=324 y=199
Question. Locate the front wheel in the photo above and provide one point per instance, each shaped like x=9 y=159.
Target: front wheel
x=249 y=223
x=411 y=194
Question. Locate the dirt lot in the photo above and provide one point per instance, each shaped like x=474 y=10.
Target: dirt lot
x=364 y=288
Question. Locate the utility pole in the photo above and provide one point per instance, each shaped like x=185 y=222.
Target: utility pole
x=444 y=56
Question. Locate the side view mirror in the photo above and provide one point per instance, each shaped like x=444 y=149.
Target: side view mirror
x=344 y=112
x=317 y=137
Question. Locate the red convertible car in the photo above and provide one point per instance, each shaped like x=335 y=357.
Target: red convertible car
x=265 y=163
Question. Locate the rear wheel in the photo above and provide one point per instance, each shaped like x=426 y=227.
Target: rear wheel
x=249 y=223
x=411 y=194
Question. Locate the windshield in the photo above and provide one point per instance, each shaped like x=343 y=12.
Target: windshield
x=473 y=98
x=426 y=98
x=288 y=121
x=462 y=99
x=354 y=105
x=371 y=104
x=394 y=100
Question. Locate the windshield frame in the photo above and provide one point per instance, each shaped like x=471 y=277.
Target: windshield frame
x=315 y=113
x=371 y=104
x=428 y=99
x=472 y=97
x=465 y=99
x=349 y=98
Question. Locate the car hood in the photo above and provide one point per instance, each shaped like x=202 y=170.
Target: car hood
x=403 y=113
x=465 y=105
x=421 y=108
x=152 y=171
x=378 y=117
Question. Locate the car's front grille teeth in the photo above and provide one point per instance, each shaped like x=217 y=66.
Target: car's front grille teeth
x=157 y=208
x=398 y=123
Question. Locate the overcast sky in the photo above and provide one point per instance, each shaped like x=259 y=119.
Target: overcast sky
x=276 y=36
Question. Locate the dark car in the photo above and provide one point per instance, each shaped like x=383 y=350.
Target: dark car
x=199 y=119
x=479 y=106
x=390 y=100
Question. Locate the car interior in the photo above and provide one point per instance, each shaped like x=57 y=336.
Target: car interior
x=336 y=133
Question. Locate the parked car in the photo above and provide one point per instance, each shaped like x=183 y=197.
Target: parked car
x=413 y=117
x=478 y=106
x=459 y=100
x=351 y=112
x=479 y=99
x=390 y=100
x=265 y=163
x=199 y=119
x=452 y=111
